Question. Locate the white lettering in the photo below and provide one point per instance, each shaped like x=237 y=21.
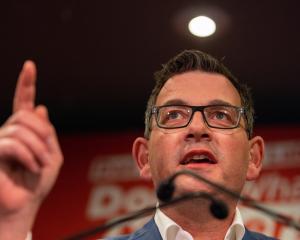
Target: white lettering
x=138 y=198
x=104 y=201
x=108 y=201
x=274 y=188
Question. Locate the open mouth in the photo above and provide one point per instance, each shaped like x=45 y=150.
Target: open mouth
x=200 y=158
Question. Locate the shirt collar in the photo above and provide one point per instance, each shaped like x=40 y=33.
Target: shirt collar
x=169 y=230
x=236 y=230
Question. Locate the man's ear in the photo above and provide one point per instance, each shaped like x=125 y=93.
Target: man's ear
x=141 y=156
x=256 y=155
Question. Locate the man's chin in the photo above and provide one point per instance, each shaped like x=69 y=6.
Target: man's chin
x=191 y=186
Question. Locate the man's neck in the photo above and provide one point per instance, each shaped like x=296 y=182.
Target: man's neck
x=195 y=218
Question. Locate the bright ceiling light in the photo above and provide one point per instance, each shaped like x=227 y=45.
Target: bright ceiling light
x=202 y=26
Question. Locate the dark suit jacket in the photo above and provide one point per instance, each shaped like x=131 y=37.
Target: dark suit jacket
x=150 y=232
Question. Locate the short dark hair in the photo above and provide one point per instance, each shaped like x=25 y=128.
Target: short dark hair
x=191 y=60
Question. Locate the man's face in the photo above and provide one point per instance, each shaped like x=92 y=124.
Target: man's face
x=171 y=150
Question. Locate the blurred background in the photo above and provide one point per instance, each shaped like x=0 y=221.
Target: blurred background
x=96 y=61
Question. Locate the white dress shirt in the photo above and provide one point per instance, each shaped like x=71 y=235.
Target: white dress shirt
x=169 y=230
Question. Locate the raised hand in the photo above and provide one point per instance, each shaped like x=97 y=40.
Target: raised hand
x=30 y=158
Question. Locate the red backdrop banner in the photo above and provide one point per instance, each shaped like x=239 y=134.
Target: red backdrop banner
x=100 y=181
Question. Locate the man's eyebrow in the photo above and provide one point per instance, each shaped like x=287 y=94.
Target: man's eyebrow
x=182 y=102
x=219 y=102
x=175 y=102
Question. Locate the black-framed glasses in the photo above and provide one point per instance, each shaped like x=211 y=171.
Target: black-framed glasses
x=215 y=116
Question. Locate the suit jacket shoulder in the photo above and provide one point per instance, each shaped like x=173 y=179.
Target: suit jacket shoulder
x=250 y=235
x=148 y=232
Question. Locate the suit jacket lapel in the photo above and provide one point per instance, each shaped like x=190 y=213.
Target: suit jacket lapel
x=148 y=232
x=254 y=236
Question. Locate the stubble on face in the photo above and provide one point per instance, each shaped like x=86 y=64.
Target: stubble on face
x=167 y=148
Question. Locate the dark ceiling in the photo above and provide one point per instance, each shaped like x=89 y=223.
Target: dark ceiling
x=96 y=58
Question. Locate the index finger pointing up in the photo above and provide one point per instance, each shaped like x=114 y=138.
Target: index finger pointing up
x=25 y=91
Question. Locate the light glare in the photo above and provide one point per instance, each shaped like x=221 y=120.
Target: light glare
x=202 y=26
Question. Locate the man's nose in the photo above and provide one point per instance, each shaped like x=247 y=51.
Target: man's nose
x=197 y=127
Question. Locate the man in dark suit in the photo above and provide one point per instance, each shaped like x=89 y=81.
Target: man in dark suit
x=199 y=117
x=151 y=232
